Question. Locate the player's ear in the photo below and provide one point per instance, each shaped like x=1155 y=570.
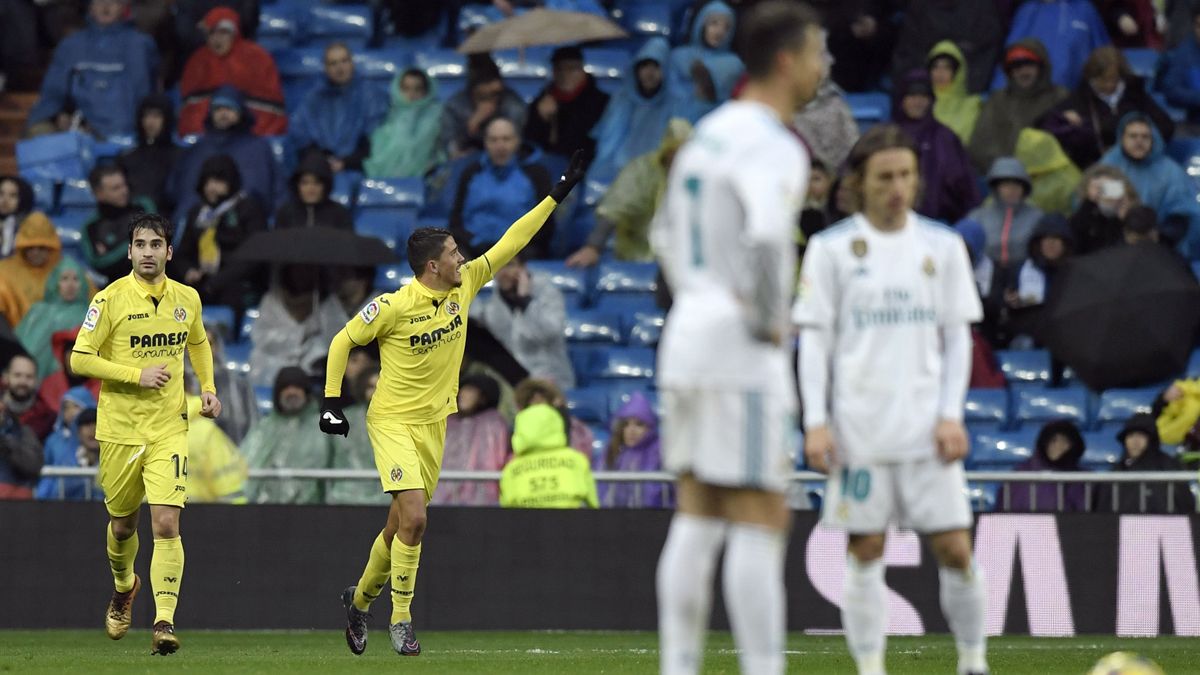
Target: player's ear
x=170 y=251
x=129 y=252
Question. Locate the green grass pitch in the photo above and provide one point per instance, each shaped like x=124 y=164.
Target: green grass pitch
x=531 y=653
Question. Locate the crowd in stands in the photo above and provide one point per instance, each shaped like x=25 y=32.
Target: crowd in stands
x=1044 y=133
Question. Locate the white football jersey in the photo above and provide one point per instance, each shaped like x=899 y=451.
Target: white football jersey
x=736 y=187
x=884 y=297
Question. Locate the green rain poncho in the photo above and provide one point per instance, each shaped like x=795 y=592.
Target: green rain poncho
x=405 y=145
x=286 y=442
x=355 y=452
x=955 y=107
x=1055 y=178
x=52 y=314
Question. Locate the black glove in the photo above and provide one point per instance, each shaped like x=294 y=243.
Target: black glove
x=333 y=420
x=570 y=177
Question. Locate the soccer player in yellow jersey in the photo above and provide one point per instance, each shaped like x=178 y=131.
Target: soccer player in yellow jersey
x=421 y=330
x=133 y=339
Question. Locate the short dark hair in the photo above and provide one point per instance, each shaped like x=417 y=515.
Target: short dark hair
x=425 y=244
x=771 y=27
x=102 y=171
x=153 y=222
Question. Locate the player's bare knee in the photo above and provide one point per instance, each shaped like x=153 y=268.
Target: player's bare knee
x=952 y=549
x=123 y=528
x=165 y=523
x=866 y=547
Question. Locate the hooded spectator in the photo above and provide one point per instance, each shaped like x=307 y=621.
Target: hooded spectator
x=533 y=391
x=975 y=238
x=148 y=165
x=49 y=395
x=336 y=118
x=20 y=456
x=63 y=304
x=561 y=117
x=1086 y=123
x=1008 y=219
x=1068 y=48
x=465 y=113
x=284 y=439
x=21 y=396
x=1178 y=410
x=974 y=25
x=1059 y=448
x=1143 y=452
x=1053 y=175
x=477 y=439
x=1181 y=72
x=1049 y=248
x=217 y=226
x=948 y=182
x=309 y=204
x=634 y=447
x=23 y=274
x=827 y=125
x=105 y=238
x=100 y=72
x=636 y=117
x=16 y=202
x=545 y=473
x=861 y=37
x=705 y=70
x=956 y=107
x=228 y=133
x=72 y=443
x=1161 y=184
x=405 y=144
x=189 y=20
x=500 y=187
x=1027 y=95
x=295 y=325
x=228 y=59
x=1105 y=196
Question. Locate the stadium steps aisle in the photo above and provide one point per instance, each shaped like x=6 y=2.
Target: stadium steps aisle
x=14 y=108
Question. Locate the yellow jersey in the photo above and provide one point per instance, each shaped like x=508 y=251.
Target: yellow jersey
x=125 y=326
x=422 y=334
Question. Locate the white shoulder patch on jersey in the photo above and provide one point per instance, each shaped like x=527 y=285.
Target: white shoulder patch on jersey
x=369 y=312
x=93 y=316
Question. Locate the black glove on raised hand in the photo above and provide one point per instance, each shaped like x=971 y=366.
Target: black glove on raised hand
x=333 y=420
x=570 y=177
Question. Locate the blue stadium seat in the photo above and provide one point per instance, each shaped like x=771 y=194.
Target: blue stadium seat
x=352 y=24
x=982 y=496
x=606 y=63
x=264 y=399
x=345 y=187
x=644 y=328
x=589 y=404
x=582 y=356
x=76 y=194
x=593 y=192
x=1183 y=150
x=386 y=226
x=870 y=107
x=70 y=225
x=43 y=194
x=247 y=328
x=237 y=356
x=1118 y=405
x=623 y=363
x=626 y=277
x=645 y=18
x=391 y=277
x=298 y=62
x=391 y=192
x=442 y=64
x=593 y=326
x=1000 y=450
x=382 y=64
x=1143 y=62
x=222 y=318
x=988 y=406
x=626 y=304
x=283 y=152
x=1103 y=451
x=1037 y=404
x=570 y=281
x=600 y=437
x=1024 y=366
x=474 y=17
x=276 y=26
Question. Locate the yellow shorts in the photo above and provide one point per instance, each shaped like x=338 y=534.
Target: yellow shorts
x=408 y=456
x=154 y=471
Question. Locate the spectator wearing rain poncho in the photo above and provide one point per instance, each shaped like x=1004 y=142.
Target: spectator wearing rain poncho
x=62 y=306
x=23 y=274
x=1052 y=174
x=284 y=440
x=477 y=439
x=337 y=116
x=635 y=446
x=72 y=442
x=955 y=106
x=405 y=144
x=705 y=70
x=827 y=125
x=545 y=472
x=636 y=116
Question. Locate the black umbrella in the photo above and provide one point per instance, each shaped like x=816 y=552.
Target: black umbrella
x=1124 y=316
x=314 y=246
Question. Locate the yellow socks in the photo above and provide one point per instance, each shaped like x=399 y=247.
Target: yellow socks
x=405 y=559
x=166 y=573
x=370 y=584
x=121 y=555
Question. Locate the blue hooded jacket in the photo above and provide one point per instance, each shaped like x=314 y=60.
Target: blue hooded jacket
x=336 y=118
x=634 y=124
x=491 y=198
x=261 y=176
x=723 y=65
x=1070 y=29
x=106 y=71
x=60 y=449
x=1181 y=77
x=1162 y=185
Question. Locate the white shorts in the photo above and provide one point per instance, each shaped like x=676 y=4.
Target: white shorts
x=925 y=495
x=729 y=438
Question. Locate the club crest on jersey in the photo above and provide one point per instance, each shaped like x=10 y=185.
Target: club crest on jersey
x=451 y=308
x=396 y=474
x=93 y=315
x=369 y=312
x=859 y=248
x=180 y=314
x=928 y=268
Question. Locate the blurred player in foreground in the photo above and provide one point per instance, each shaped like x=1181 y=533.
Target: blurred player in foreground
x=133 y=339
x=885 y=308
x=421 y=330
x=723 y=235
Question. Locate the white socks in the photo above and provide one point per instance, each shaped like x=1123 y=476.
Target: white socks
x=755 y=596
x=685 y=577
x=964 y=597
x=864 y=614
